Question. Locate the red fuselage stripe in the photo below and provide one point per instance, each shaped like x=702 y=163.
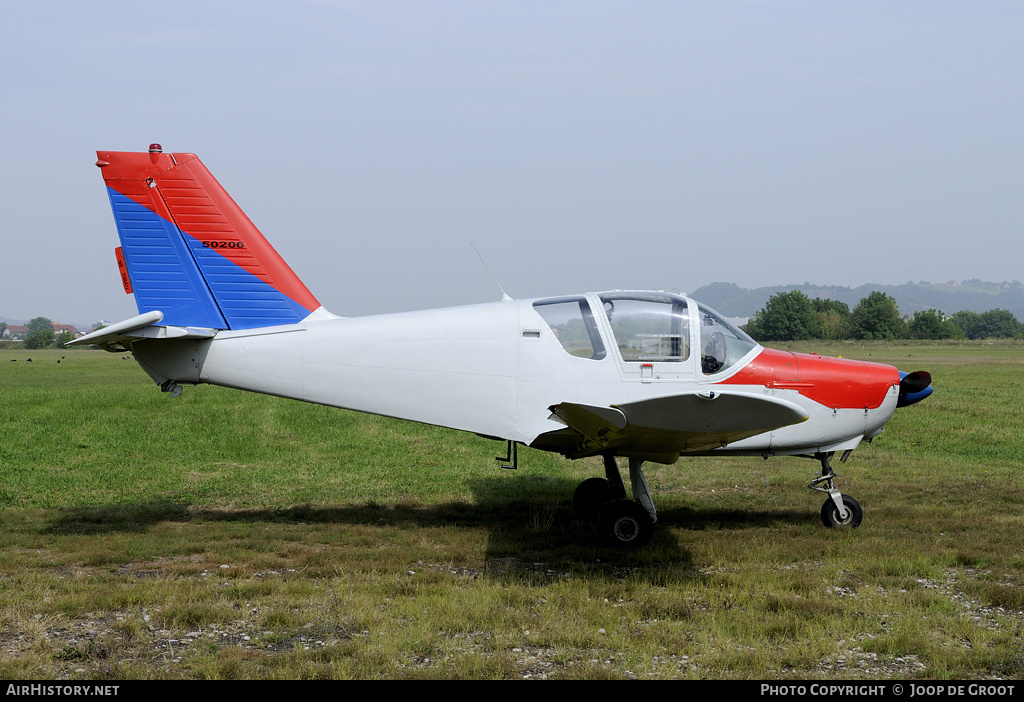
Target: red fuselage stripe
x=833 y=382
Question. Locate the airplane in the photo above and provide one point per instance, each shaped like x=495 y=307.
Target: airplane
x=647 y=376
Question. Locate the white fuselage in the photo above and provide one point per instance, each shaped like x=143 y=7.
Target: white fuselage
x=493 y=369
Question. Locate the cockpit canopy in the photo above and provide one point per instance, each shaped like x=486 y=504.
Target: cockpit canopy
x=646 y=328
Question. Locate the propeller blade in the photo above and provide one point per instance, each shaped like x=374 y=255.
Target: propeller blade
x=915 y=382
x=914 y=387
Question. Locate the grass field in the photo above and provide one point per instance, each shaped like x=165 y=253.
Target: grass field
x=229 y=535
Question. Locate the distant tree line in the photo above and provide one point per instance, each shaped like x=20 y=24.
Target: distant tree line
x=792 y=316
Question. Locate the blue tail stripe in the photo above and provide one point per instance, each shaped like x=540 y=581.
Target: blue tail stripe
x=245 y=300
x=173 y=272
x=164 y=276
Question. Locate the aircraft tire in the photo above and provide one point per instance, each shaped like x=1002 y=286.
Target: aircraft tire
x=627 y=524
x=589 y=496
x=830 y=515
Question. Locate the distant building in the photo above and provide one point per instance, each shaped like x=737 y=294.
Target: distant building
x=14 y=332
x=18 y=332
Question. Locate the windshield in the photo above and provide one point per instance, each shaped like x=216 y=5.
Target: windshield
x=722 y=342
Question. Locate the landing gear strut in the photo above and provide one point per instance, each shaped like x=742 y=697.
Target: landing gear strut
x=839 y=510
x=603 y=501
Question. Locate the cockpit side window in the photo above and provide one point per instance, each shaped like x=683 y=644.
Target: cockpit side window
x=649 y=329
x=722 y=343
x=572 y=323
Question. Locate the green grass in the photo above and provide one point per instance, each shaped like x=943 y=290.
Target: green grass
x=229 y=535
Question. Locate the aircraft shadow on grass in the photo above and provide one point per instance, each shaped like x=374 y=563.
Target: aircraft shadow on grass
x=534 y=523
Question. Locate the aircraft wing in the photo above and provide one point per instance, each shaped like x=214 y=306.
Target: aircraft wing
x=143 y=326
x=661 y=428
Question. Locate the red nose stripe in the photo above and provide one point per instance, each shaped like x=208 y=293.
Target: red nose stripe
x=832 y=382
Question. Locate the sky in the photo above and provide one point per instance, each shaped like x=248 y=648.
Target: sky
x=580 y=145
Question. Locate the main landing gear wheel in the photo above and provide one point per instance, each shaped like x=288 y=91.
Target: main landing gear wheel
x=602 y=501
x=589 y=496
x=830 y=513
x=625 y=523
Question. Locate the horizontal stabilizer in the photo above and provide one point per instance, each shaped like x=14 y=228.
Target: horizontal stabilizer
x=666 y=426
x=144 y=326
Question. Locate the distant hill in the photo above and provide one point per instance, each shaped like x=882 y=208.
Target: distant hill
x=973 y=295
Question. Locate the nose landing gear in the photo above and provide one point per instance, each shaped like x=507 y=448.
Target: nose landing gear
x=839 y=510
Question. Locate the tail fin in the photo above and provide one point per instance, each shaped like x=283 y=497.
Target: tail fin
x=189 y=250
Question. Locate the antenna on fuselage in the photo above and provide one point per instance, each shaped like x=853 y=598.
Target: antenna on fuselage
x=504 y=295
